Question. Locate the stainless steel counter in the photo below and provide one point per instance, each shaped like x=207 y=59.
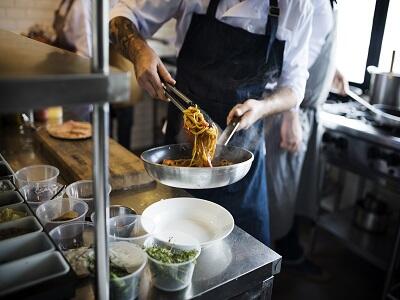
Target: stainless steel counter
x=239 y=264
x=359 y=129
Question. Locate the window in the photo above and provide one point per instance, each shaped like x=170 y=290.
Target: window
x=355 y=19
x=391 y=38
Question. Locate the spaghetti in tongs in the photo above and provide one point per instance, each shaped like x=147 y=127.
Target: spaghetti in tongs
x=198 y=124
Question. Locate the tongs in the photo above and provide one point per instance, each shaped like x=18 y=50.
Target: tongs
x=182 y=102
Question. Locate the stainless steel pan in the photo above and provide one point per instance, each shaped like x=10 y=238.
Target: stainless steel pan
x=193 y=177
x=382 y=114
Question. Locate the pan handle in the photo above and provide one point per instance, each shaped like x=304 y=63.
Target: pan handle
x=372 y=108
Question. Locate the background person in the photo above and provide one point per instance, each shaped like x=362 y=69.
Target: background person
x=292 y=139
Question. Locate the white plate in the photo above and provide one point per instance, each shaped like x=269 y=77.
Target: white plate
x=177 y=218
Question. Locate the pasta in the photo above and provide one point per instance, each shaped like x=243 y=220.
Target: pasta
x=205 y=140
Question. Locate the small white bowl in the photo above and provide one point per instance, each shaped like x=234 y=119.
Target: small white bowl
x=177 y=218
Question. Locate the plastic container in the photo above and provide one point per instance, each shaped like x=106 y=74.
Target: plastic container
x=127 y=287
x=128 y=228
x=79 y=236
x=21 y=207
x=23 y=246
x=50 y=210
x=6 y=185
x=117 y=210
x=24 y=226
x=83 y=190
x=36 y=195
x=73 y=235
x=8 y=198
x=171 y=277
x=30 y=271
x=37 y=175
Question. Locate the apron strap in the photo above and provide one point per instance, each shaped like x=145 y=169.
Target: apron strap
x=212 y=8
x=272 y=24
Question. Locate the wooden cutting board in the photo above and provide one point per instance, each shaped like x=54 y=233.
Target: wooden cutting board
x=74 y=159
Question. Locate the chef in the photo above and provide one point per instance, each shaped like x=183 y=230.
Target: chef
x=228 y=52
x=294 y=134
x=72 y=23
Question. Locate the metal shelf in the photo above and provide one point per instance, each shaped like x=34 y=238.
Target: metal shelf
x=35 y=75
x=376 y=248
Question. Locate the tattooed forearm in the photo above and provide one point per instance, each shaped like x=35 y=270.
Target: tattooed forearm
x=125 y=36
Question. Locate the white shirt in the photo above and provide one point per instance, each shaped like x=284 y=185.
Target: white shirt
x=322 y=24
x=251 y=15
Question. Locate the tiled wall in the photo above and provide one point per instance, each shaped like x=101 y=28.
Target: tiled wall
x=19 y=15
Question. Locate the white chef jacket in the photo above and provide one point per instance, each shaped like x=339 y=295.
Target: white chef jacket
x=251 y=15
x=322 y=24
x=77 y=29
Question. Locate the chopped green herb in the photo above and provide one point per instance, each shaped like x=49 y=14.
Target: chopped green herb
x=169 y=256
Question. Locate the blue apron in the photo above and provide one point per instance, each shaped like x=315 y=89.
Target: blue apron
x=218 y=67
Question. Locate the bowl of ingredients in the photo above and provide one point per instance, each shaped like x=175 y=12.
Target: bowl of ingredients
x=117 y=210
x=75 y=240
x=10 y=214
x=83 y=190
x=171 y=266
x=60 y=211
x=127 y=262
x=37 y=175
x=37 y=194
x=128 y=228
x=203 y=220
x=6 y=185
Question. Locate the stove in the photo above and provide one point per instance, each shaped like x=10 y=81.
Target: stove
x=353 y=140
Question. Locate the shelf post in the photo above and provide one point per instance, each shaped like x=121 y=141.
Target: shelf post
x=99 y=64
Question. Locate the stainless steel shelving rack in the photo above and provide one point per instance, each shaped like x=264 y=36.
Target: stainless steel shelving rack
x=34 y=75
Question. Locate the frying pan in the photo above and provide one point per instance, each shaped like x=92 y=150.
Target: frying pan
x=194 y=177
x=382 y=114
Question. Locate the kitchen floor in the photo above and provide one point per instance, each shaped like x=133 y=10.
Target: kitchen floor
x=351 y=276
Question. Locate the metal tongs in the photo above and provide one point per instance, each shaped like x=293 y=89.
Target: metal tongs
x=182 y=102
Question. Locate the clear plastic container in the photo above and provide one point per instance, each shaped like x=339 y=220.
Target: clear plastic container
x=49 y=210
x=83 y=190
x=127 y=287
x=128 y=228
x=171 y=277
x=76 y=240
x=73 y=235
x=38 y=175
x=36 y=195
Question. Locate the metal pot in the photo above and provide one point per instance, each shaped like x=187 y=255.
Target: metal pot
x=371 y=215
x=384 y=88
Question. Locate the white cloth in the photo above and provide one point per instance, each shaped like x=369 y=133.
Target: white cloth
x=251 y=15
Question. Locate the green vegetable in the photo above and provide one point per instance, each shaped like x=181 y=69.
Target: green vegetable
x=9 y=214
x=170 y=256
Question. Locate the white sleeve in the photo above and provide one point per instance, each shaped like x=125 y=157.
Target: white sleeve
x=147 y=15
x=295 y=58
x=78 y=27
x=322 y=24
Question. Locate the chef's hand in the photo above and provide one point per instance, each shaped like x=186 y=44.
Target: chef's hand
x=150 y=71
x=291 y=131
x=339 y=84
x=249 y=112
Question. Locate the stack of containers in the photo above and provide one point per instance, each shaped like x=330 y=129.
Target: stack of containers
x=29 y=262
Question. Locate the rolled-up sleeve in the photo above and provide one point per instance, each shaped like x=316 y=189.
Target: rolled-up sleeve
x=295 y=59
x=147 y=15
